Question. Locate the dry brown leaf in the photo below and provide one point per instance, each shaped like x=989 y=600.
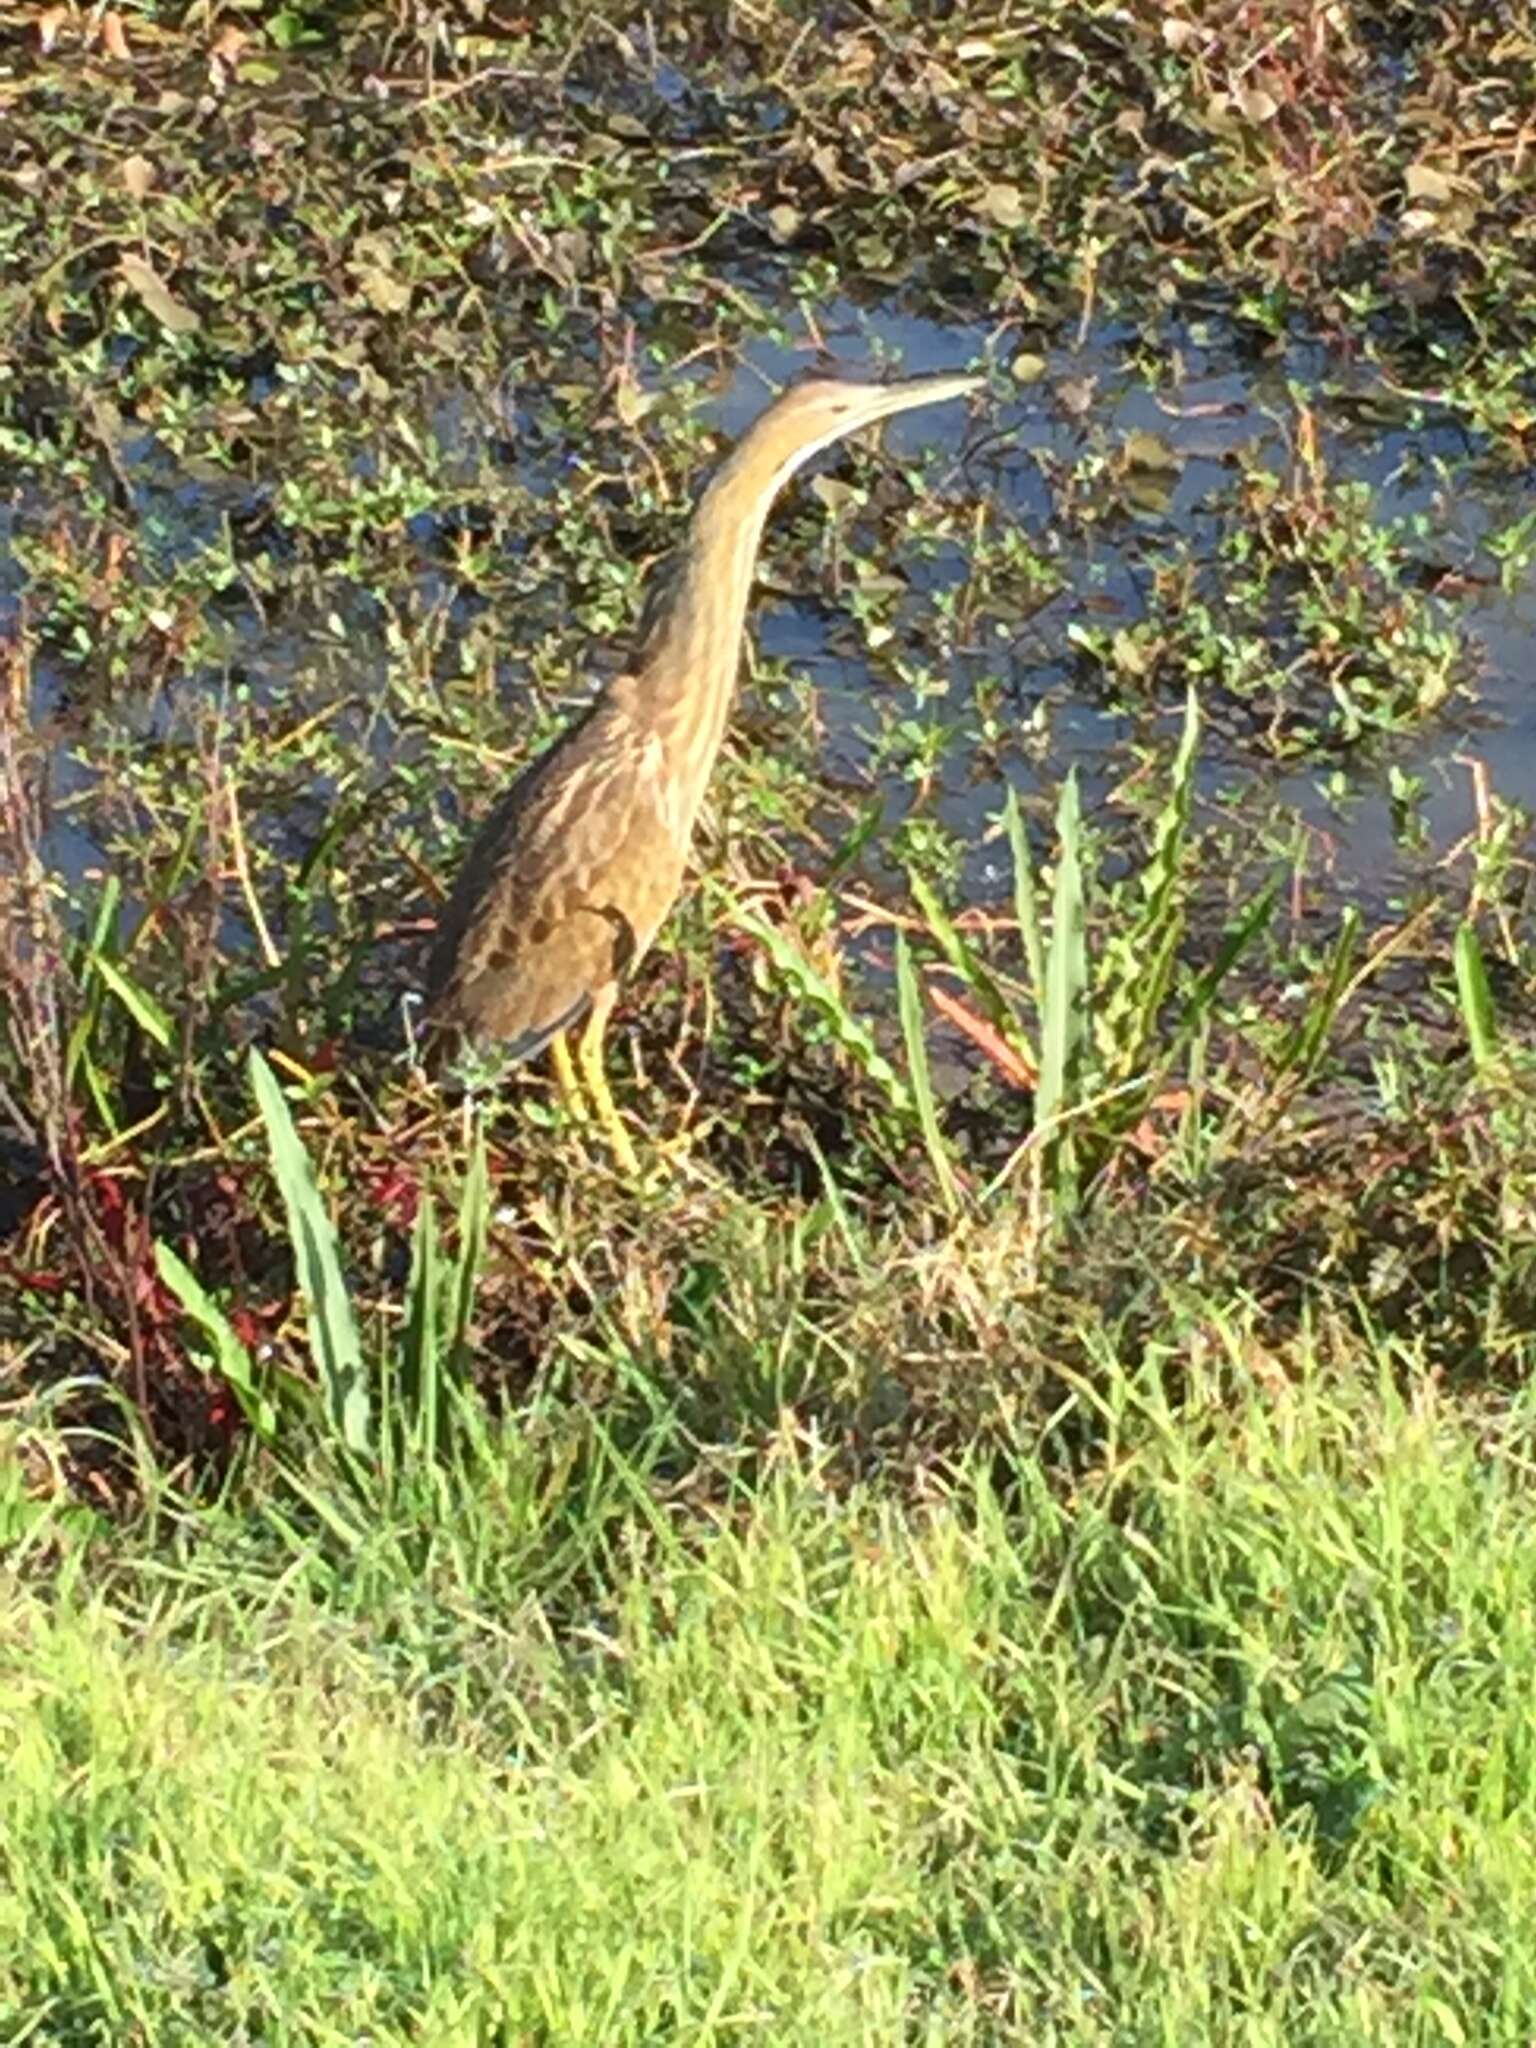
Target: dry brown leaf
x=569 y=253
x=138 y=174
x=228 y=43
x=825 y=164
x=833 y=493
x=1131 y=656
x=1147 y=1139
x=1144 y=450
x=1075 y=394
x=1423 y=181
x=385 y=292
x=146 y=281
x=1003 y=204
x=114 y=37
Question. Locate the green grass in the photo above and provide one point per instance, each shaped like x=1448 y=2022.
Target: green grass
x=1203 y=1715
x=1019 y=1529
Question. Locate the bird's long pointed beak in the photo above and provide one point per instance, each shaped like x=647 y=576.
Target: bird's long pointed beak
x=884 y=399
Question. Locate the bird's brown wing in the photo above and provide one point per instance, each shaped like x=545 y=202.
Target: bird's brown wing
x=561 y=890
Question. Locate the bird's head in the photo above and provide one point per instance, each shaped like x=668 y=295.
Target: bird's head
x=811 y=415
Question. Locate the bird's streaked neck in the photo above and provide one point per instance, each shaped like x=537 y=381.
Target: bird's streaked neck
x=689 y=663
x=686 y=672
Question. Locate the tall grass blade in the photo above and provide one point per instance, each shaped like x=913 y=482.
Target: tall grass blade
x=1136 y=1038
x=1153 y=946
x=1138 y=964
x=138 y=1002
x=1066 y=970
x=103 y=937
x=963 y=957
x=1026 y=907
x=832 y=1196
x=909 y=998
x=1304 y=1047
x=104 y=930
x=99 y=1086
x=474 y=1217
x=1172 y=828
x=420 y=1388
x=1476 y=997
x=230 y=1355
x=333 y=1339
x=865 y=828
x=813 y=989
x=1234 y=944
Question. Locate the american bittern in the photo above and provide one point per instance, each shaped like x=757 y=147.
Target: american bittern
x=579 y=862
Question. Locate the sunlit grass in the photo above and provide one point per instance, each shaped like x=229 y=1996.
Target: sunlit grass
x=1014 y=1532
x=1227 y=1737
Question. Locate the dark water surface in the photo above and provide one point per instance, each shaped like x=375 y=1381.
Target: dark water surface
x=1228 y=398
x=1223 y=403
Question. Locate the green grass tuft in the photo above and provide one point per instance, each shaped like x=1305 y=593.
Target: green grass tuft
x=1228 y=1738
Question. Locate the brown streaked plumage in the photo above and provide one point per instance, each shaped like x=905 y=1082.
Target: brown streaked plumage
x=573 y=871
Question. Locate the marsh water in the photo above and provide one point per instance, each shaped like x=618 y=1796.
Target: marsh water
x=1230 y=402
x=1224 y=403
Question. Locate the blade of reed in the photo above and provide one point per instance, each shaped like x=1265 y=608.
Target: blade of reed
x=1066 y=969
x=910 y=1001
x=474 y=1218
x=419 y=1376
x=92 y=984
x=139 y=1003
x=1026 y=907
x=964 y=958
x=1235 y=942
x=1161 y=924
x=1304 y=1047
x=1172 y=827
x=230 y=1355
x=333 y=1339
x=813 y=989
x=1476 y=997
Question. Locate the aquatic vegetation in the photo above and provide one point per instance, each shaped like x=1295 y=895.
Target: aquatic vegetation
x=1057 y=1404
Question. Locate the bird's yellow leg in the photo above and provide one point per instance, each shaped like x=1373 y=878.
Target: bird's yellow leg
x=589 y=1057
x=565 y=1078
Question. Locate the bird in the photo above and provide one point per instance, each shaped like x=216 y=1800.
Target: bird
x=567 y=881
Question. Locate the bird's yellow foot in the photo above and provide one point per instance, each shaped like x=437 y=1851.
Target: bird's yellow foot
x=572 y=1100
x=608 y=1116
